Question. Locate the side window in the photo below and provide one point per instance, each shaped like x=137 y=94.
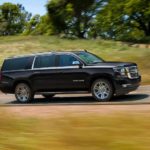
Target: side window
x=67 y=60
x=17 y=64
x=44 y=61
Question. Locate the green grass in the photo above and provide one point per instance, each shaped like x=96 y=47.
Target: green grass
x=97 y=132
x=109 y=50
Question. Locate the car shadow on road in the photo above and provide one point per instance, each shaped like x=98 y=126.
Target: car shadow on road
x=89 y=100
x=131 y=98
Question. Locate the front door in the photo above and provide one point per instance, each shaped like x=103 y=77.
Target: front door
x=70 y=75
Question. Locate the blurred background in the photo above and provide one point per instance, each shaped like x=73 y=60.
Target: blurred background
x=127 y=20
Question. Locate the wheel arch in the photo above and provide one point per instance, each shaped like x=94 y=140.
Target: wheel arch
x=103 y=76
x=21 y=81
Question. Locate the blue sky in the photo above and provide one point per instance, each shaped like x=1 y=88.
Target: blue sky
x=33 y=6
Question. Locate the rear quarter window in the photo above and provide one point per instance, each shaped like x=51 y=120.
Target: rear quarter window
x=17 y=64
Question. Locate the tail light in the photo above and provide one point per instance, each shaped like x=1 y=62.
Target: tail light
x=0 y=76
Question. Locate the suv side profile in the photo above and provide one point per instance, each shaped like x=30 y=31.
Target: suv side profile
x=67 y=72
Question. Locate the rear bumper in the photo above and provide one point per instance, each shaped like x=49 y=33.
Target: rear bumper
x=5 y=87
x=124 y=86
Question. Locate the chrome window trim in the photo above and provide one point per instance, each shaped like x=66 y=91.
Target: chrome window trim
x=33 y=62
x=62 y=67
x=55 y=68
x=90 y=67
x=66 y=67
x=46 y=68
x=72 y=67
x=17 y=70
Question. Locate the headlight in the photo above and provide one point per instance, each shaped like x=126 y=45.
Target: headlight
x=122 y=71
x=131 y=72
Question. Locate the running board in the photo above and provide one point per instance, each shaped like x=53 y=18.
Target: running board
x=63 y=92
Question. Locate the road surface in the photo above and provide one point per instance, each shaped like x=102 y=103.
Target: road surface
x=141 y=96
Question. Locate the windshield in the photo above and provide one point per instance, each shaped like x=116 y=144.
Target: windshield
x=89 y=58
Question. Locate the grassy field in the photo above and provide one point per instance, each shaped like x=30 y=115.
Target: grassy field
x=68 y=132
x=109 y=50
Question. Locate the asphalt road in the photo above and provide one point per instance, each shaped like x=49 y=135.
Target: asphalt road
x=141 y=96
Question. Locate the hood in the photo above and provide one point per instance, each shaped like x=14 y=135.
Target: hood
x=114 y=64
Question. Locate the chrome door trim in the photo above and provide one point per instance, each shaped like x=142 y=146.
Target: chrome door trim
x=53 y=68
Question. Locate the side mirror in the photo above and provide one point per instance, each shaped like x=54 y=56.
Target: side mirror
x=77 y=63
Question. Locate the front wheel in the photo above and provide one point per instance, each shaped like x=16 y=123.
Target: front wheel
x=23 y=93
x=102 y=90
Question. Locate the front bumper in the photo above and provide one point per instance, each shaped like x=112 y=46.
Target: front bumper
x=126 y=85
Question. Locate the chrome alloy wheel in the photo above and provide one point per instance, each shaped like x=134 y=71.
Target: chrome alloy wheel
x=102 y=90
x=23 y=93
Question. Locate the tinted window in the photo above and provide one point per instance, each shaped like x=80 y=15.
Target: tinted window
x=89 y=58
x=45 y=61
x=66 y=60
x=17 y=64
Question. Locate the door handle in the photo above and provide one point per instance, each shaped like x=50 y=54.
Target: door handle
x=36 y=72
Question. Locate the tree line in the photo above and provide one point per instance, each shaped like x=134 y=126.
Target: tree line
x=127 y=20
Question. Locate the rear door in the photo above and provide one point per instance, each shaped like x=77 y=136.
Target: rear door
x=44 y=73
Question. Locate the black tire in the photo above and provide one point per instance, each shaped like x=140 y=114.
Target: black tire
x=48 y=96
x=102 y=90
x=23 y=93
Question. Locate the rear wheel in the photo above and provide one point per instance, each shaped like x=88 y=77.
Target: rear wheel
x=102 y=90
x=23 y=93
x=48 y=96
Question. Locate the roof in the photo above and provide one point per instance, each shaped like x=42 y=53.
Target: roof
x=46 y=53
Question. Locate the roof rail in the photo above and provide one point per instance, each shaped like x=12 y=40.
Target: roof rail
x=42 y=52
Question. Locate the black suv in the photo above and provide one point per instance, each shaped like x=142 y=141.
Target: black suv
x=67 y=72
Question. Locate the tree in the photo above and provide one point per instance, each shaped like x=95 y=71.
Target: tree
x=73 y=16
x=31 y=24
x=3 y=25
x=121 y=19
x=13 y=18
x=44 y=26
x=39 y=25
